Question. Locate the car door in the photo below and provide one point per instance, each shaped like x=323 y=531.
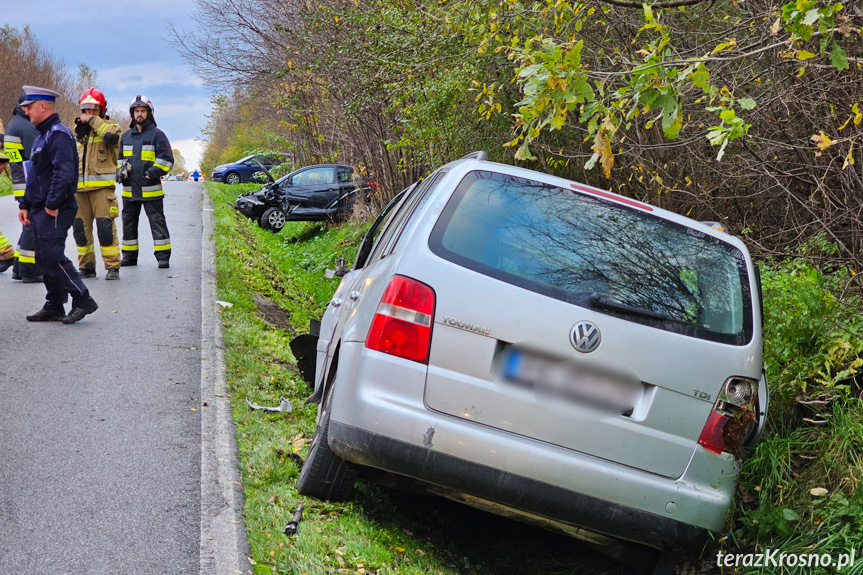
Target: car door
x=313 y=187
x=253 y=166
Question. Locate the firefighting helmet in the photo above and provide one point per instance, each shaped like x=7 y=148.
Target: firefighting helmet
x=91 y=99
x=139 y=101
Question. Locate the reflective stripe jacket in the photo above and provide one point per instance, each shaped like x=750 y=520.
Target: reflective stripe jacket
x=150 y=156
x=52 y=179
x=98 y=169
x=20 y=135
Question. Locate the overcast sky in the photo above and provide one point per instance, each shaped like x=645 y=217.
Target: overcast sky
x=127 y=43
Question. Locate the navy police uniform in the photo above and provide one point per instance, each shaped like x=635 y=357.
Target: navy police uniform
x=51 y=183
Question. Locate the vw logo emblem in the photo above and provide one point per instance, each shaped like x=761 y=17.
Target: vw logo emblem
x=585 y=336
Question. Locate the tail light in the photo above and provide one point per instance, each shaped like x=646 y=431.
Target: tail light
x=402 y=325
x=736 y=397
x=712 y=434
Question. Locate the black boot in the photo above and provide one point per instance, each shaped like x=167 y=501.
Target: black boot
x=127 y=261
x=32 y=280
x=84 y=306
x=48 y=314
x=87 y=271
x=6 y=264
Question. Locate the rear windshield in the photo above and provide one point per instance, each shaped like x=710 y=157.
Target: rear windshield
x=587 y=250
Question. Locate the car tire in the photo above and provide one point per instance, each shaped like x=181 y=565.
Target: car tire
x=233 y=178
x=273 y=219
x=325 y=475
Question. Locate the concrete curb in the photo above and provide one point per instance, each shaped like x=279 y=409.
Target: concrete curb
x=224 y=545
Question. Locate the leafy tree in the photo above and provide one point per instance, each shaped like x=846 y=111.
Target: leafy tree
x=179 y=166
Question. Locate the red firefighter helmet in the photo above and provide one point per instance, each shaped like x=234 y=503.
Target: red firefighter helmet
x=93 y=98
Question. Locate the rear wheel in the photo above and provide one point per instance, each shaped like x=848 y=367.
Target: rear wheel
x=273 y=219
x=324 y=474
x=233 y=178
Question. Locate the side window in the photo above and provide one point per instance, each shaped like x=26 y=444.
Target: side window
x=380 y=224
x=344 y=176
x=404 y=211
x=418 y=200
x=314 y=177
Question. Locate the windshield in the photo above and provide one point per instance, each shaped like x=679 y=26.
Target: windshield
x=570 y=246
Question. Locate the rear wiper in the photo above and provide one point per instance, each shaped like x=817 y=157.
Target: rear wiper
x=604 y=302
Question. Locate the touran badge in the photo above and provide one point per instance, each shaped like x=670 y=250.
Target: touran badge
x=585 y=336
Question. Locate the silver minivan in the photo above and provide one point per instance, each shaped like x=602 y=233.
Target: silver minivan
x=545 y=350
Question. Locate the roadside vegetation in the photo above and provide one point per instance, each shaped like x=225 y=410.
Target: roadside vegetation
x=747 y=113
x=799 y=490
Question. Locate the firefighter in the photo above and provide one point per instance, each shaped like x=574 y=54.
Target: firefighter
x=49 y=204
x=98 y=147
x=147 y=156
x=7 y=254
x=20 y=135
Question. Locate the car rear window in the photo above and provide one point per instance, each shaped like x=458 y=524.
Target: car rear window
x=571 y=246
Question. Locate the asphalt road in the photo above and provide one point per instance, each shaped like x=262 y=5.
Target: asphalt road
x=100 y=421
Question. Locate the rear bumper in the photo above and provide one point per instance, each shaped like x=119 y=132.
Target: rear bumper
x=379 y=419
x=548 y=501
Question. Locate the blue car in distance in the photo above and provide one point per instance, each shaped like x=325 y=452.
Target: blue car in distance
x=244 y=170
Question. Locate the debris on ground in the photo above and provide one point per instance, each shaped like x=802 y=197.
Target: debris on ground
x=284 y=406
x=291 y=528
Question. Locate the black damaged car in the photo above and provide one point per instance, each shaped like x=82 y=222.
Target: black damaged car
x=319 y=192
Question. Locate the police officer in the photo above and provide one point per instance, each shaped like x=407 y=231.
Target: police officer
x=147 y=156
x=20 y=135
x=49 y=204
x=98 y=146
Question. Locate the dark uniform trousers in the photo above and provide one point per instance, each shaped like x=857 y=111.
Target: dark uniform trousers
x=59 y=273
x=156 y=214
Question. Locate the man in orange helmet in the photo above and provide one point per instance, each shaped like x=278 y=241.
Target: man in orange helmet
x=98 y=148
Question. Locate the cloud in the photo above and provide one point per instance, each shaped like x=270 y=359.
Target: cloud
x=141 y=77
x=192 y=150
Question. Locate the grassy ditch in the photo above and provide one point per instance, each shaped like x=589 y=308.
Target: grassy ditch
x=276 y=284
x=799 y=491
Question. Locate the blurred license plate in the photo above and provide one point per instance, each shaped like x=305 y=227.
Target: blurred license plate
x=568 y=380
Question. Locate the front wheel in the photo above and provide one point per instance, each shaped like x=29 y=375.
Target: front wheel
x=325 y=475
x=273 y=219
x=233 y=178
